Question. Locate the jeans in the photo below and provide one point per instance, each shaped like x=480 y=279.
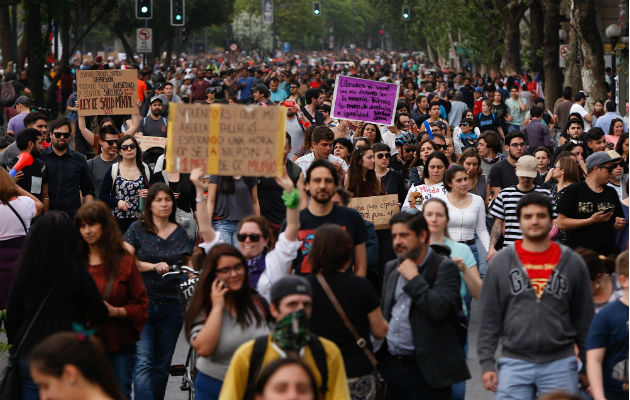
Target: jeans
x=480 y=256
x=122 y=365
x=155 y=350
x=513 y=128
x=228 y=230
x=524 y=380
x=405 y=382
x=207 y=387
x=458 y=390
x=30 y=391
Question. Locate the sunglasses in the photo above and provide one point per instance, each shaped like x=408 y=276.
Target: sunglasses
x=380 y=156
x=254 y=237
x=464 y=124
x=610 y=168
x=442 y=146
x=58 y=135
x=128 y=147
x=293 y=87
x=111 y=143
x=411 y=150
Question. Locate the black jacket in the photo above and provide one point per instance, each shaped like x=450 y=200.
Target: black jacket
x=439 y=353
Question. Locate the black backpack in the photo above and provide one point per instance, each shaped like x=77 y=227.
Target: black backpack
x=258 y=354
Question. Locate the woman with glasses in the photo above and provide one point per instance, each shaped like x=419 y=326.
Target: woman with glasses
x=391 y=180
x=225 y=311
x=265 y=262
x=361 y=179
x=126 y=182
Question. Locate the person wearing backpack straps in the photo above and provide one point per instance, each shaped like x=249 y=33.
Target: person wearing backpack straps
x=126 y=182
x=16 y=124
x=291 y=304
x=422 y=355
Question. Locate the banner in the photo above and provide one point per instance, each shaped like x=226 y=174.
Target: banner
x=107 y=92
x=364 y=100
x=223 y=139
x=376 y=209
x=147 y=142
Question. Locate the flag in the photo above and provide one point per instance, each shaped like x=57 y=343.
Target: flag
x=538 y=89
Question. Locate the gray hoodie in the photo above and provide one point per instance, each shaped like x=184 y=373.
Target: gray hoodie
x=532 y=329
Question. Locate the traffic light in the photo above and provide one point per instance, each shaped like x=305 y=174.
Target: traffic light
x=144 y=9
x=177 y=13
x=317 y=10
x=382 y=32
x=406 y=14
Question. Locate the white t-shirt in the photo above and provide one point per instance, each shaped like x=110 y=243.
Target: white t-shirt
x=463 y=223
x=576 y=108
x=305 y=161
x=421 y=193
x=11 y=227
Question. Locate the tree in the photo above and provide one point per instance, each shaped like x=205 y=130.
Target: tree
x=553 y=75
x=512 y=11
x=584 y=24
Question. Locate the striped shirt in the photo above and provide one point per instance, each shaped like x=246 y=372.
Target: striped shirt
x=504 y=208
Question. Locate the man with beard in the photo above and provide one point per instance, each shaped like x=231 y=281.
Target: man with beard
x=575 y=130
x=537 y=299
x=98 y=165
x=321 y=182
x=35 y=120
x=34 y=177
x=294 y=128
x=153 y=125
x=422 y=354
x=67 y=169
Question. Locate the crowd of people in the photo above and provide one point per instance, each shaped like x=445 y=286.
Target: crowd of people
x=503 y=199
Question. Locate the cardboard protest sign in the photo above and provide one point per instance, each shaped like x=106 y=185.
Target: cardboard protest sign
x=376 y=209
x=246 y=140
x=364 y=100
x=107 y=92
x=147 y=142
x=188 y=133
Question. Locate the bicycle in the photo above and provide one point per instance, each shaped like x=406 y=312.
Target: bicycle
x=185 y=291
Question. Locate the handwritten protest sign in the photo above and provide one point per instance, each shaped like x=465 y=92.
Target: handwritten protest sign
x=246 y=140
x=364 y=100
x=226 y=139
x=376 y=209
x=188 y=133
x=107 y=92
x=147 y=142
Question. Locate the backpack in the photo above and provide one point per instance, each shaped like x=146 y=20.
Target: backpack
x=7 y=94
x=147 y=173
x=258 y=353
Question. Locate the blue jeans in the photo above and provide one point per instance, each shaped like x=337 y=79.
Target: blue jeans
x=405 y=382
x=122 y=365
x=155 y=350
x=228 y=230
x=30 y=391
x=513 y=128
x=458 y=390
x=207 y=387
x=480 y=256
x=524 y=380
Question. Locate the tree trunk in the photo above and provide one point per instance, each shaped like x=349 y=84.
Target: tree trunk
x=36 y=50
x=553 y=75
x=6 y=40
x=592 y=65
x=429 y=52
x=128 y=50
x=495 y=63
x=536 y=35
x=512 y=11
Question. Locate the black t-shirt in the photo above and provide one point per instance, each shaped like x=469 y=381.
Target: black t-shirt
x=487 y=122
x=503 y=174
x=499 y=111
x=35 y=177
x=347 y=218
x=395 y=184
x=397 y=165
x=357 y=298
x=184 y=188
x=270 y=195
x=580 y=202
x=318 y=119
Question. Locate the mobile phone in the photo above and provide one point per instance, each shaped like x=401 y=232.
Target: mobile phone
x=223 y=284
x=609 y=209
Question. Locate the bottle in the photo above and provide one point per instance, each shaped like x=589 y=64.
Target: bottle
x=141 y=199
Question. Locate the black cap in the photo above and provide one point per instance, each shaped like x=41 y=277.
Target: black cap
x=288 y=285
x=25 y=100
x=159 y=86
x=580 y=95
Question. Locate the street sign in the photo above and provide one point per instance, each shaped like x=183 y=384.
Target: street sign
x=233 y=47
x=144 y=40
x=564 y=53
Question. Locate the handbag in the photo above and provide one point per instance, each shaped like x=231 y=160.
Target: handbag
x=11 y=386
x=379 y=382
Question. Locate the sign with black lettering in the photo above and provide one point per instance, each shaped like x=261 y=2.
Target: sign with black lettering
x=107 y=92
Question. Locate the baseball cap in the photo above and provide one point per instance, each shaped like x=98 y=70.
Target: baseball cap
x=22 y=100
x=599 y=158
x=288 y=285
x=580 y=95
x=526 y=167
x=155 y=98
x=159 y=86
x=479 y=89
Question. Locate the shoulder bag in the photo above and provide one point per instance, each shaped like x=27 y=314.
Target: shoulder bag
x=379 y=382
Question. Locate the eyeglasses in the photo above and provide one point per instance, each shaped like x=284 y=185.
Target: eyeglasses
x=128 y=147
x=517 y=145
x=226 y=270
x=380 y=156
x=111 y=143
x=254 y=237
x=58 y=135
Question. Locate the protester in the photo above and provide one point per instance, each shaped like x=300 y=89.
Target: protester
x=361 y=179
x=286 y=377
x=432 y=184
x=392 y=181
x=478 y=182
x=100 y=248
x=425 y=148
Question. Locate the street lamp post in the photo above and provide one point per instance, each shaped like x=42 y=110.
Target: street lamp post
x=613 y=31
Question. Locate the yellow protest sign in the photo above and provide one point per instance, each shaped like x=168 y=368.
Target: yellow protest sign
x=376 y=209
x=107 y=92
x=188 y=130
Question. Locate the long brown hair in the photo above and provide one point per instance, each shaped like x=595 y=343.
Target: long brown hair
x=147 y=215
x=471 y=152
x=355 y=173
x=110 y=243
x=264 y=227
x=8 y=188
x=243 y=299
x=332 y=249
